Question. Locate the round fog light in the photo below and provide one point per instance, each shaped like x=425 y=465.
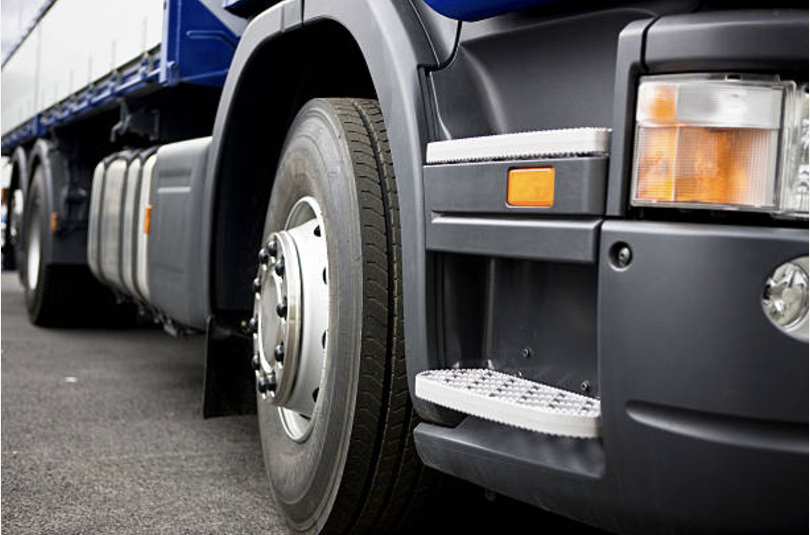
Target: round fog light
x=785 y=297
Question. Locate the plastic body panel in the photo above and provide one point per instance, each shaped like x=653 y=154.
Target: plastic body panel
x=442 y=32
x=548 y=69
x=579 y=187
x=571 y=240
x=174 y=247
x=703 y=399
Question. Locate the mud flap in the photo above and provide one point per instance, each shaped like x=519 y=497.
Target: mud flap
x=229 y=384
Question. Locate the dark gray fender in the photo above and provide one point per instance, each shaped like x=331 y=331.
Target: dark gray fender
x=60 y=247
x=394 y=45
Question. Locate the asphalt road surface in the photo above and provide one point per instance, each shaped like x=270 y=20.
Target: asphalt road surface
x=102 y=433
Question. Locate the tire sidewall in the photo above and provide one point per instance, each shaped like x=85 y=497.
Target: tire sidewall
x=34 y=208
x=315 y=162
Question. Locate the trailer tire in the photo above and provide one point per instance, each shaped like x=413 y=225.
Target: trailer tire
x=356 y=471
x=61 y=295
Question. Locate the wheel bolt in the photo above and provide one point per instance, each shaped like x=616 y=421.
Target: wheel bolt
x=253 y=325
x=278 y=352
x=267 y=383
x=257 y=285
x=279 y=267
x=281 y=309
x=264 y=256
x=272 y=248
x=254 y=363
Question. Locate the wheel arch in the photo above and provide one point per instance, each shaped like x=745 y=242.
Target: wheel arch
x=379 y=47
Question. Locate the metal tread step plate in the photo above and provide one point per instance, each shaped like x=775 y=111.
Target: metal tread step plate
x=511 y=400
x=520 y=146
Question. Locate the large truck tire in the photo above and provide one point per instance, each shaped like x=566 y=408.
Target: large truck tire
x=61 y=295
x=344 y=462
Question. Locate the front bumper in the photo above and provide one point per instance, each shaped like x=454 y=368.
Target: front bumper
x=705 y=424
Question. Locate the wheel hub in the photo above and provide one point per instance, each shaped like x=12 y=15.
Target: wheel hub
x=291 y=314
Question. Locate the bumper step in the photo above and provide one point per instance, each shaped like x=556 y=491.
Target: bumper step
x=566 y=142
x=510 y=400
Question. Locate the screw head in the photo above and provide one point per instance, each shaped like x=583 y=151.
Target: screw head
x=624 y=256
x=281 y=308
x=526 y=352
x=279 y=267
x=278 y=352
x=257 y=285
x=255 y=363
x=253 y=325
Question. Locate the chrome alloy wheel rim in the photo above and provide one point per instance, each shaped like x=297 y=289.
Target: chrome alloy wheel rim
x=291 y=317
x=33 y=254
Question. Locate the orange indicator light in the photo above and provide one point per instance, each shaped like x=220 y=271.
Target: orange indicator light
x=531 y=187
x=147 y=219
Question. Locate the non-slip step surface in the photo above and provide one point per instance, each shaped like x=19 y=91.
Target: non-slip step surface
x=540 y=144
x=512 y=400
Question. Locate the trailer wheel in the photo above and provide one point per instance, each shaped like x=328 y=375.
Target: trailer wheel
x=61 y=295
x=335 y=417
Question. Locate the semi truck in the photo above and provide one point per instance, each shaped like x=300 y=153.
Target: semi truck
x=555 y=248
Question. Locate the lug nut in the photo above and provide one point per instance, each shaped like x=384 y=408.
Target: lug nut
x=264 y=256
x=278 y=352
x=279 y=267
x=272 y=248
x=254 y=363
x=257 y=285
x=281 y=309
x=267 y=383
x=253 y=325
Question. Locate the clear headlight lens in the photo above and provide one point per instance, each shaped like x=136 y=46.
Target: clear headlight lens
x=721 y=142
x=785 y=297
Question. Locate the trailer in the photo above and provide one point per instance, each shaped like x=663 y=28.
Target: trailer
x=557 y=249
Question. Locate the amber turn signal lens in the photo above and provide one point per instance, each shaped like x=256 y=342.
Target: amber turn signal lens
x=531 y=187
x=705 y=165
x=147 y=219
x=709 y=141
x=54 y=222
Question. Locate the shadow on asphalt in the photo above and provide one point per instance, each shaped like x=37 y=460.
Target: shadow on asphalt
x=102 y=433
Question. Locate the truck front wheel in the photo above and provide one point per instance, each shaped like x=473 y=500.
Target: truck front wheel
x=334 y=410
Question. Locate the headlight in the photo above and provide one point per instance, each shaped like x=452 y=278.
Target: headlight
x=785 y=297
x=721 y=142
